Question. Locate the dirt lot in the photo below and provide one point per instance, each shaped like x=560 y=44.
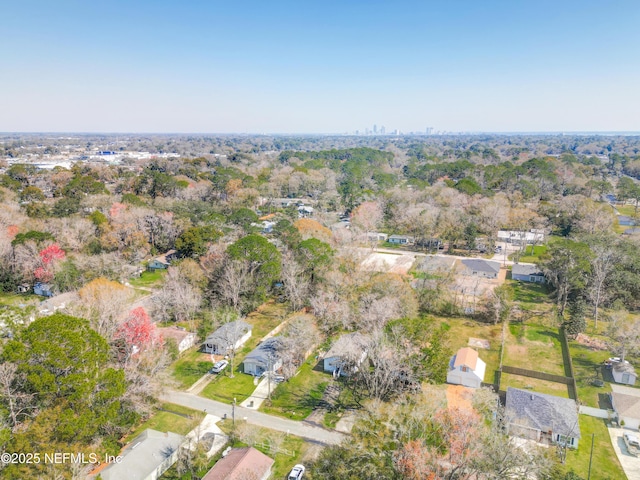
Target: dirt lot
x=388 y=262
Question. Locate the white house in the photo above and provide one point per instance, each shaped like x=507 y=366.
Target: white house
x=346 y=354
x=626 y=404
x=229 y=336
x=532 y=237
x=466 y=368
x=481 y=268
x=527 y=273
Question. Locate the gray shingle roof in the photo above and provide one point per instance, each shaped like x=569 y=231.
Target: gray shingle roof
x=543 y=412
x=351 y=344
x=144 y=455
x=520 y=269
x=260 y=355
x=226 y=332
x=481 y=265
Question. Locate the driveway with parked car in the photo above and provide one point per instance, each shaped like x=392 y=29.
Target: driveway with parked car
x=630 y=463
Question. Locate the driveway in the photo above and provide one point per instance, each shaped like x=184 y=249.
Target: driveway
x=630 y=464
x=300 y=429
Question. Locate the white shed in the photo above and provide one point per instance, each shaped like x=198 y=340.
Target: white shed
x=466 y=368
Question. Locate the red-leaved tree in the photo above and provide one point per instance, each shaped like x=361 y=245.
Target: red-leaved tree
x=51 y=253
x=137 y=331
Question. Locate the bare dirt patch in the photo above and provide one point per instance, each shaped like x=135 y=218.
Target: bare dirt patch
x=592 y=343
x=388 y=263
x=479 y=343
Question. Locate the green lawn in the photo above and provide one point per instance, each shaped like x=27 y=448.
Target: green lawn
x=532 y=254
x=297 y=397
x=15 y=299
x=224 y=388
x=534 y=347
x=587 y=364
x=148 y=279
x=534 y=384
x=605 y=463
x=191 y=366
x=176 y=418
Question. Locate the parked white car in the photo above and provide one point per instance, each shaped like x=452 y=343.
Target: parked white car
x=296 y=473
x=219 y=366
x=632 y=443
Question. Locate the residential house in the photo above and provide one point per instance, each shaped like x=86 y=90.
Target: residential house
x=241 y=464
x=346 y=354
x=481 y=268
x=24 y=288
x=147 y=457
x=623 y=372
x=541 y=417
x=626 y=404
x=266 y=357
x=184 y=339
x=632 y=231
x=531 y=237
x=162 y=262
x=43 y=289
x=305 y=211
x=527 y=273
x=401 y=239
x=377 y=237
x=626 y=220
x=466 y=368
x=229 y=336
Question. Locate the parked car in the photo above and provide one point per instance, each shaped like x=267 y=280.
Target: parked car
x=219 y=366
x=296 y=473
x=632 y=443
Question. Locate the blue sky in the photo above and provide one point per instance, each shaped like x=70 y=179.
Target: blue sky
x=319 y=66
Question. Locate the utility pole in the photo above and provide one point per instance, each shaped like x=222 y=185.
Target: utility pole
x=591 y=456
x=233 y=412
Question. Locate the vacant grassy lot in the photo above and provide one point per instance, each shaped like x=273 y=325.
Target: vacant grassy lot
x=224 y=388
x=461 y=329
x=532 y=254
x=16 y=299
x=605 y=463
x=297 y=397
x=535 y=347
x=149 y=279
x=170 y=418
x=191 y=366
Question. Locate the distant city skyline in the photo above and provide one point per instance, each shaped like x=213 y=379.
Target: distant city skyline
x=322 y=68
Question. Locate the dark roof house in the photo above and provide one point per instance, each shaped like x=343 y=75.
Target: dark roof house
x=527 y=273
x=229 y=336
x=162 y=262
x=481 y=268
x=541 y=417
x=265 y=357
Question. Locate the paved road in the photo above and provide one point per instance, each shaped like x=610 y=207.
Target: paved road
x=300 y=429
x=499 y=257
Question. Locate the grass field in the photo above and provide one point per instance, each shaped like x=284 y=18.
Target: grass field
x=170 y=418
x=191 y=366
x=532 y=254
x=587 y=364
x=534 y=384
x=605 y=462
x=16 y=299
x=297 y=397
x=535 y=347
x=148 y=279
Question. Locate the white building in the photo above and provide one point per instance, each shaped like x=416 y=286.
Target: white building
x=466 y=368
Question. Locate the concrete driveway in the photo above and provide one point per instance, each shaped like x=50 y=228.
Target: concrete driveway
x=630 y=464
